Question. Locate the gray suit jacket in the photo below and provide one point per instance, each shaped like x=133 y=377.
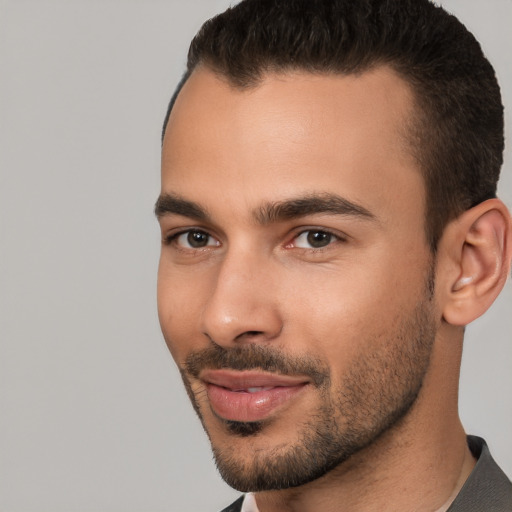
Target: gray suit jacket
x=487 y=488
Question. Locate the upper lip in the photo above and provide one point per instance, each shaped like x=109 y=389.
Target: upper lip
x=236 y=380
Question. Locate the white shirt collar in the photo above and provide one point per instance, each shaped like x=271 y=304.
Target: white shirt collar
x=249 y=504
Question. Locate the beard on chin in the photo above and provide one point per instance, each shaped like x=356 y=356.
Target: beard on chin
x=244 y=428
x=377 y=390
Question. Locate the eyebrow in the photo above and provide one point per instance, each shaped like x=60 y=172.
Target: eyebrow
x=171 y=204
x=312 y=204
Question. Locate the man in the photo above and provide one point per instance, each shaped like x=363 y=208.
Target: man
x=329 y=226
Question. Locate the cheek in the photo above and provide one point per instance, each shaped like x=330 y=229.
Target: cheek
x=180 y=299
x=339 y=314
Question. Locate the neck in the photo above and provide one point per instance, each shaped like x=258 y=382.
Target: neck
x=420 y=464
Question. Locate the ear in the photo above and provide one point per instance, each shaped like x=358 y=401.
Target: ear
x=474 y=258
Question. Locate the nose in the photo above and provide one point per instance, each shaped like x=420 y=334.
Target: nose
x=243 y=305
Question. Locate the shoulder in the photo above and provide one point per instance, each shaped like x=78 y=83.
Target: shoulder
x=487 y=488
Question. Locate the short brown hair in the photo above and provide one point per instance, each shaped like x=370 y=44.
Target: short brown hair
x=457 y=132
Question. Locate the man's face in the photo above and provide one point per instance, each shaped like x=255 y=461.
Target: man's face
x=295 y=283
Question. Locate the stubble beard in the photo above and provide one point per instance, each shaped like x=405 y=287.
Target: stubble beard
x=376 y=393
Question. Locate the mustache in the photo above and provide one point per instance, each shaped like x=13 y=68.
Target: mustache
x=256 y=357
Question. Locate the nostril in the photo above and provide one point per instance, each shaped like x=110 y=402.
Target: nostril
x=249 y=334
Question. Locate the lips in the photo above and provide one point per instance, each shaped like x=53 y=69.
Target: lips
x=250 y=396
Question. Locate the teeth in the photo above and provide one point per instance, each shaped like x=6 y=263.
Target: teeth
x=255 y=390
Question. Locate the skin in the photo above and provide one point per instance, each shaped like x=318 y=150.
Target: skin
x=232 y=153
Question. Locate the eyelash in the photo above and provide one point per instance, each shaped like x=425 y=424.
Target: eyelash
x=333 y=238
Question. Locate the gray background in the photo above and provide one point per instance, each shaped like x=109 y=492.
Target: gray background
x=92 y=412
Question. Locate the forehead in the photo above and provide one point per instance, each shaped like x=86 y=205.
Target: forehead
x=292 y=133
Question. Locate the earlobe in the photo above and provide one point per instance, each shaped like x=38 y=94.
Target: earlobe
x=479 y=244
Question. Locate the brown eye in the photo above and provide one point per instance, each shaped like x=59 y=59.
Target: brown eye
x=319 y=238
x=195 y=239
x=314 y=239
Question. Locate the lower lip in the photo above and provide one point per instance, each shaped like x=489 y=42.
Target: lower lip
x=244 y=406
